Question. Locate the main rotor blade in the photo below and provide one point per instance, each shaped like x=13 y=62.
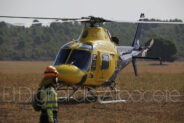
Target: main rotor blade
x=46 y=18
x=91 y=19
x=147 y=22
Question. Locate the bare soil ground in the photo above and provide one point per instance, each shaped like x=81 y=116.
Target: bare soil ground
x=156 y=95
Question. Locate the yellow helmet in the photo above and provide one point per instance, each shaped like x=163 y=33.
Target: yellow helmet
x=50 y=71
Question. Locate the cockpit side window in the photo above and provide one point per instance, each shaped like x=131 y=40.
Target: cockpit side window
x=93 y=65
x=105 y=61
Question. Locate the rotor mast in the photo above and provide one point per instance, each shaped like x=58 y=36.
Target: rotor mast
x=94 y=21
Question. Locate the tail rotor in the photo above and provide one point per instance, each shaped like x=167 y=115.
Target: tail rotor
x=144 y=53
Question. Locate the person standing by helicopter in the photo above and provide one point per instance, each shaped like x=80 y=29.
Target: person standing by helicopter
x=48 y=96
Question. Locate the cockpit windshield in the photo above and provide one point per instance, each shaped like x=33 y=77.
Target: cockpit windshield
x=79 y=58
x=62 y=56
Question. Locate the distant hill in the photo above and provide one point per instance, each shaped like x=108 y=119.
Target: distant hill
x=42 y=43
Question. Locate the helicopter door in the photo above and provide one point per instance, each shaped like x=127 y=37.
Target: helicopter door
x=95 y=70
x=104 y=67
x=93 y=73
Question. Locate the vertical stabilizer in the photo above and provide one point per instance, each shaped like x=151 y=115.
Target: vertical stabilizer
x=135 y=42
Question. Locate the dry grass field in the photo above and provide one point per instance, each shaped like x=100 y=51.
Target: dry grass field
x=155 y=96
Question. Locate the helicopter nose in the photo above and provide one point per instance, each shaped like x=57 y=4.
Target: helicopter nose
x=70 y=74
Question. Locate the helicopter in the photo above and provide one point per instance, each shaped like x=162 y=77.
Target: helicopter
x=95 y=59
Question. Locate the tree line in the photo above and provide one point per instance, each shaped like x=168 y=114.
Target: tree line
x=43 y=42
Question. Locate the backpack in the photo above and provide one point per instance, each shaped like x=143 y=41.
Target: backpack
x=36 y=101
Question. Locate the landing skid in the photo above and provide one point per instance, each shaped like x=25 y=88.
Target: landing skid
x=74 y=90
x=110 y=101
x=102 y=100
x=95 y=95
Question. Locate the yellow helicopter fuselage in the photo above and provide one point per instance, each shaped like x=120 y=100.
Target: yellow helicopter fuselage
x=100 y=55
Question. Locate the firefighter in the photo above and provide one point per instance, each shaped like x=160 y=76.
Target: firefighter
x=48 y=96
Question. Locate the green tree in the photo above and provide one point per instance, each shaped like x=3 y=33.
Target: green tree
x=165 y=49
x=1 y=40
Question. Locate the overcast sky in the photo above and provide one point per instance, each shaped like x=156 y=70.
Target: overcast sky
x=110 y=9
